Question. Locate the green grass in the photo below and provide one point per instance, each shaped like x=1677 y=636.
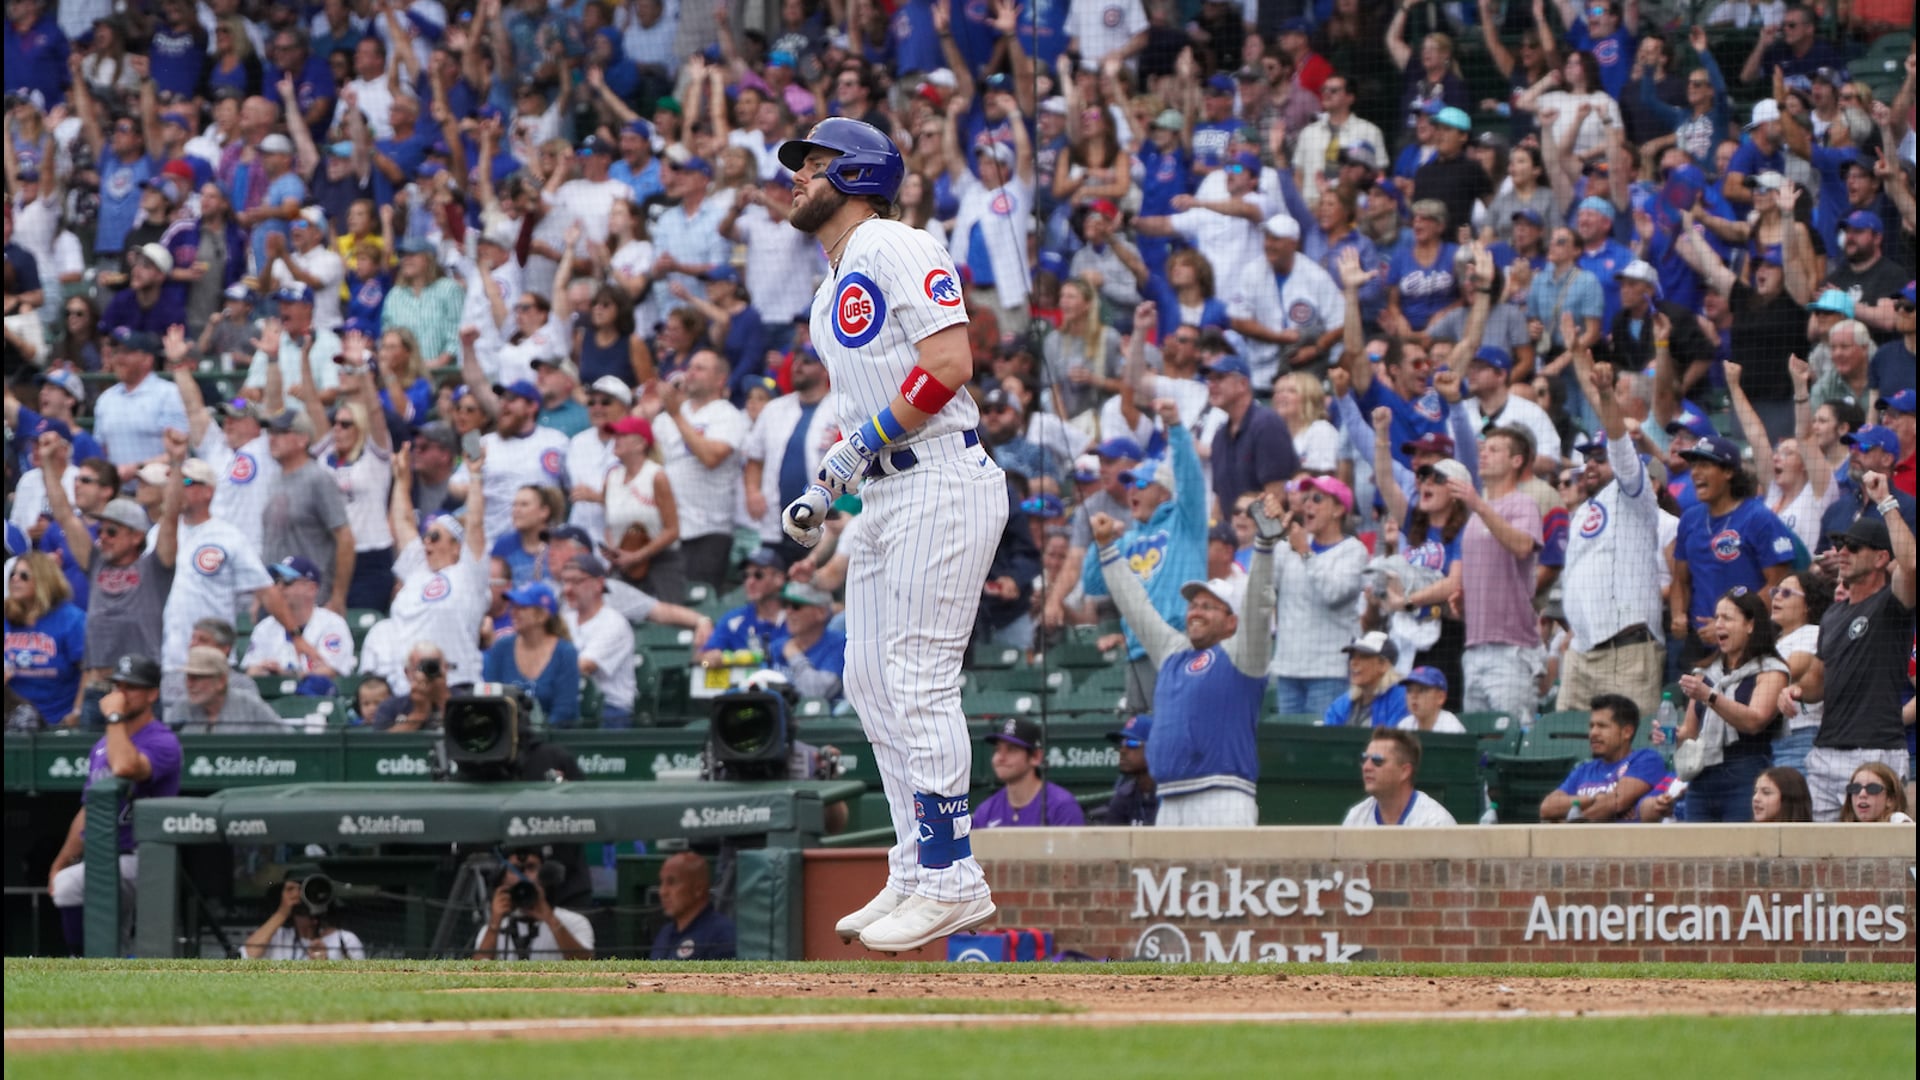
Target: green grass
x=1800 y=1047
x=42 y=994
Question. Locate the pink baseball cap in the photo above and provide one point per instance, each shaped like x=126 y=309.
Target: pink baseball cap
x=1331 y=487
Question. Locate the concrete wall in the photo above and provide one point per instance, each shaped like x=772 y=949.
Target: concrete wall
x=1799 y=893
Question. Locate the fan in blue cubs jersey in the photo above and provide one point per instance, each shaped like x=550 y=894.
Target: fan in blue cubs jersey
x=889 y=324
x=1212 y=679
x=1609 y=786
x=1729 y=539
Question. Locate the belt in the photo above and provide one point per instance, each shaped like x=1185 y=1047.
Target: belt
x=1632 y=635
x=902 y=460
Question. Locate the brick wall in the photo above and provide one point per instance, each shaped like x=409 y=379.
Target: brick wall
x=1161 y=899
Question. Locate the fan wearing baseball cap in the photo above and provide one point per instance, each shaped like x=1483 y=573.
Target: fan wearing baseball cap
x=1318 y=578
x=1135 y=800
x=1026 y=797
x=130 y=416
x=1729 y=539
x=1212 y=678
x=1896 y=413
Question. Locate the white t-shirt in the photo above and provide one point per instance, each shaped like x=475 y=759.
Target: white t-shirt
x=1444 y=724
x=326 y=373
x=1520 y=413
x=1421 y=812
x=246 y=478
x=477 y=310
x=444 y=607
x=1318 y=447
x=215 y=567
x=376 y=104
x=30 y=497
x=705 y=497
x=1804 y=640
x=783 y=265
x=1103 y=27
x=1309 y=302
x=325 y=631
x=607 y=640
x=588 y=205
x=539 y=457
x=366 y=486
x=516 y=358
x=287 y=945
x=1803 y=514
x=323 y=263
x=543 y=945
x=1227 y=241
x=589 y=459
x=767 y=444
x=634 y=259
x=1005 y=217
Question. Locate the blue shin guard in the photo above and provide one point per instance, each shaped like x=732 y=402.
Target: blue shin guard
x=941 y=823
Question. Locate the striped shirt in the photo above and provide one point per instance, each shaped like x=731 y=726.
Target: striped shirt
x=128 y=421
x=432 y=313
x=705 y=497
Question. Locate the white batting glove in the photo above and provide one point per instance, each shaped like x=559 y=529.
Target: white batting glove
x=846 y=465
x=805 y=518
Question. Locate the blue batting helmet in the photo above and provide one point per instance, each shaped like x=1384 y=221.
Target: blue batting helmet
x=867 y=162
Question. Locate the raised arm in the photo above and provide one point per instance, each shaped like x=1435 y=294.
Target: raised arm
x=1819 y=469
x=1397 y=39
x=1252 y=644
x=400 y=501
x=476 y=379
x=1384 y=480
x=55 y=464
x=1750 y=423
x=180 y=365
x=1353 y=356
x=1160 y=640
x=1490 y=34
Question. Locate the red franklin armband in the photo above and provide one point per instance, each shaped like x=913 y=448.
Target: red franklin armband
x=924 y=392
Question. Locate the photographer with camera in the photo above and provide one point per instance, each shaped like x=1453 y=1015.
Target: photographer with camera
x=299 y=928
x=522 y=925
x=421 y=707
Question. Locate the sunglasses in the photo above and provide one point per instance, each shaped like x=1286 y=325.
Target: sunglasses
x=760 y=572
x=599 y=399
x=1851 y=547
x=343 y=422
x=1699 y=82
x=77 y=313
x=21 y=574
x=1788 y=593
x=1377 y=759
x=1870 y=789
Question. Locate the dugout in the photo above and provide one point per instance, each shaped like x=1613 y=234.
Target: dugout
x=785 y=817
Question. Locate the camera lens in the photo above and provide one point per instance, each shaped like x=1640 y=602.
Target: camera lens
x=522 y=893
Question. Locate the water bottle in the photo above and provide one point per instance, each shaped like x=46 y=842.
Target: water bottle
x=1668 y=719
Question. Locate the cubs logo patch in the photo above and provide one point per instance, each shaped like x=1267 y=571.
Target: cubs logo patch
x=333 y=643
x=940 y=287
x=242 y=469
x=120 y=183
x=1200 y=662
x=1431 y=555
x=209 y=559
x=685 y=950
x=858 y=311
x=1725 y=545
x=1430 y=406
x=1300 y=313
x=1594 y=521
x=1002 y=204
x=1110 y=18
x=1607 y=51
x=550 y=462
x=436 y=588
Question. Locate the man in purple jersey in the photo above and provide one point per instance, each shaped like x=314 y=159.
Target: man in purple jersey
x=136 y=748
x=1025 y=797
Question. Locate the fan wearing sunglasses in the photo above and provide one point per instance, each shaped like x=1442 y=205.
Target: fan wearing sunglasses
x=1387 y=770
x=1875 y=795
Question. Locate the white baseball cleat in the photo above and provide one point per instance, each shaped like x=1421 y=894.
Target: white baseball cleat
x=920 y=921
x=877 y=908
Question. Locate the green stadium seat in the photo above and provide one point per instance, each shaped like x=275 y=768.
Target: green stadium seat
x=304 y=708
x=1293 y=719
x=361 y=620
x=1556 y=735
x=699 y=593
x=992 y=657
x=1074 y=654
x=1032 y=679
x=1086 y=700
x=1489 y=725
x=998 y=703
x=273 y=687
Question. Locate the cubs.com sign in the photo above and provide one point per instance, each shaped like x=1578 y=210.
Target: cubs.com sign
x=1176 y=892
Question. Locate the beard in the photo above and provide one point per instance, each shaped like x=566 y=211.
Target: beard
x=810 y=215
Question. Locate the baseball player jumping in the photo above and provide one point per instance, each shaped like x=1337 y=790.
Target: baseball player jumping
x=891 y=328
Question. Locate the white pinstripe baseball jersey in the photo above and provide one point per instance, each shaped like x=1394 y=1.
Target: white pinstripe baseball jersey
x=895 y=286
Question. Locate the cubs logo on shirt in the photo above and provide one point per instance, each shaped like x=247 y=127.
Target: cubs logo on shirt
x=436 y=588
x=332 y=643
x=1145 y=555
x=242 y=469
x=1607 y=51
x=1431 y=555
x=1594 y=521
x=858 y=310
x=941 y=288
x=1301 y=313
x=119 y=183
x=550 y=462
x=209 y=559
x=1430 y=406
x=1110 y=18
x=1002 y=204
x=1200 y=662
x=1725 y=545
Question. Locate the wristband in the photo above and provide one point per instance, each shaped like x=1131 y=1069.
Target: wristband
x=883 y=429
x=1658 y=344
x=1888 y=506
x=924 y=392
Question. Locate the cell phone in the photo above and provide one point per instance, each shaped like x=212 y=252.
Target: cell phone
x=470 y=444
x=608 y=550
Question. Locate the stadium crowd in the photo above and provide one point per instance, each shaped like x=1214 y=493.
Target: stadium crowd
x=1521 y=359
